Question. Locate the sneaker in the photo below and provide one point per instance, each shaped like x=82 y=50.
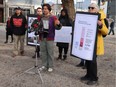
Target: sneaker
x=42 y=68
x=50 y=69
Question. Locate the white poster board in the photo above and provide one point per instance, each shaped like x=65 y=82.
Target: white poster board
x=84 y=35
x=63 y=35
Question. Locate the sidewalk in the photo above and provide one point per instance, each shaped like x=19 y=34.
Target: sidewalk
x=2 y=24
x=65 y=73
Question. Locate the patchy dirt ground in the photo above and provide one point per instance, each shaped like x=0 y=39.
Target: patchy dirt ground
x=65 y=73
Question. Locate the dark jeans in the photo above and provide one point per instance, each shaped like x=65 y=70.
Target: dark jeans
x=61 y=49
x=92 y=69
x=111 y=30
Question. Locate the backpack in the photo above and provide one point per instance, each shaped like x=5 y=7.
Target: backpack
x=107 y=25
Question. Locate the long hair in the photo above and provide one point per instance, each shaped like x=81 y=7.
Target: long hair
x=66 y=14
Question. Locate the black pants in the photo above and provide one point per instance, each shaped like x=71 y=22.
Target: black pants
x=37 y=49
x=92 y=69
x=61 y=49
x=7 y=37
x=111 y=30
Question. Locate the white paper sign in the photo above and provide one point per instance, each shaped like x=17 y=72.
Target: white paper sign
x=84 y=35
x=63 y=35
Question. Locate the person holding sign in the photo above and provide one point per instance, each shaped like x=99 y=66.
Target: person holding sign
x=91 y=76
x=49 y=23
x=65 y=21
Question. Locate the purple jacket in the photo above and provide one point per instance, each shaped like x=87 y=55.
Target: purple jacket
x=52 y=27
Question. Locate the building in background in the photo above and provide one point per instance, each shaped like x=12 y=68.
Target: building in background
x=82 y=5
x=111 y=12
x=1 y=11
x=28 y=6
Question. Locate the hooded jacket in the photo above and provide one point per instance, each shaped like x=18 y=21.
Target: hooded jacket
x=18 y=24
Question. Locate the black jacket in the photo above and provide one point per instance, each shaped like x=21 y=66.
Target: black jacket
x=65 y=22
x=8 y=28
x=18 y=24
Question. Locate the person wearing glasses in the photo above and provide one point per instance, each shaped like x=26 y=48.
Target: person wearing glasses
x=91 y=77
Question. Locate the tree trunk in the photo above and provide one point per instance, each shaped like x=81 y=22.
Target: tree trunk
x=69 y=5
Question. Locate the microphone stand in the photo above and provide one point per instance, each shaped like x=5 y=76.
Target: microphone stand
x=35 y=67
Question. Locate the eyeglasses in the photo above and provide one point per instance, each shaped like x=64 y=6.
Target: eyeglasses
x=91 y=8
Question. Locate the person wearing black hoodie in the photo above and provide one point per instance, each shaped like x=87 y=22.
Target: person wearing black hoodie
x=65 y=21
x=18 y=24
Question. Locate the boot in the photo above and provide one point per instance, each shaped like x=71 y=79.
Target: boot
x=64 y=57
x=59 y=57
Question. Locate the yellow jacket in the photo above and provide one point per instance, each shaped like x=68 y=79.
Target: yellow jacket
x=102 y=31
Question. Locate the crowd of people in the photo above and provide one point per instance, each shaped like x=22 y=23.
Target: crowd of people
x=48 y=23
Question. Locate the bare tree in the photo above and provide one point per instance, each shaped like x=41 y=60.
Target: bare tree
x=69 y=5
